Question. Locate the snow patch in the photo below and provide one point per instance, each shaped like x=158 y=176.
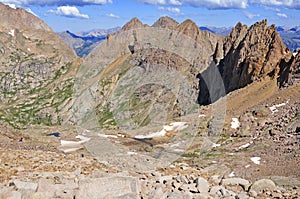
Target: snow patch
x=214 y=145
x=245 y=145
x=107 y=136
x=235 y=123
x=231 y=174
x=71 y=146
x=255 y=160
x=131 y=153
x=12 y=32
x=65 y=143
x=201 y=115
x=11 y=5
x=174 y=126
x=247 y=166
x=274 y=109
x=29 y=49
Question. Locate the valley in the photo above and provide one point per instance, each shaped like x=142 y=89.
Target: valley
x=153 y=111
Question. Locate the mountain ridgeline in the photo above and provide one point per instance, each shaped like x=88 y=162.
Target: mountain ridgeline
x=131 y=74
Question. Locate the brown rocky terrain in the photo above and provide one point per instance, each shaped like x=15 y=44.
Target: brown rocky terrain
x=36 y=72
x=251 y=53
x=134 y=126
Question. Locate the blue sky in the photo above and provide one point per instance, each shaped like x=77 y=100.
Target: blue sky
x=84 y=15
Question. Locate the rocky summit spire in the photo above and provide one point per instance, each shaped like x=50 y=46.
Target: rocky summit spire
x=251 y=53
x=166 y=22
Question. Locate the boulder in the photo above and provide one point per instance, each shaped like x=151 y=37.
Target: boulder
x=94 y=188
x=25 y=187
x=202 y=185
x=263 y=185
x=245 y=184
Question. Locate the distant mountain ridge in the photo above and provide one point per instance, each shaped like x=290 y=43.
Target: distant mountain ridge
x=84 y=42
x=290 y=37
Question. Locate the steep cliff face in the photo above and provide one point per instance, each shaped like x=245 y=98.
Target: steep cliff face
x=296 y=67
x=34 y=70
x=250 y=54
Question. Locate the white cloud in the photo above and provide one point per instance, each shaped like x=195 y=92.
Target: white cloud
x=112 y=16
x=226 y=4
x=251 y=15
x=211 y=4
x=175 y=2
x=217 y=4
x=57 y=2
x=282 y=15
x=154 y=2
x=170 y=9
x=69 y=11
x=272 y=8
x=295 y=4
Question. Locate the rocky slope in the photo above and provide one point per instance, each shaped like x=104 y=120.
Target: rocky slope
x=136 y=52
x=35 y=69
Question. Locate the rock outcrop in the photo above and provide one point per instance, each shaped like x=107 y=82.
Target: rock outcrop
x=250 y=54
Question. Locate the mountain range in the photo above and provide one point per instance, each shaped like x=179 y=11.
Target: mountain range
x=165 y=110
x=84 y=42
x=44 y=61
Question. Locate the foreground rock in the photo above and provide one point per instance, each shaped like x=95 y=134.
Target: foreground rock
x=148 y=185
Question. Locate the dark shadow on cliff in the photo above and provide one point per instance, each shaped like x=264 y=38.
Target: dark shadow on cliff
x=284 y=77
x=211 y=85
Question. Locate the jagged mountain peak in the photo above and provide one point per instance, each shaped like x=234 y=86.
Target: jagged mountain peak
x=133 y=24
x=252 y=53
x=166 y=22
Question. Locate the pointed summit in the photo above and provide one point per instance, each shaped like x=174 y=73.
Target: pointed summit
x=166 y=22
x=133 y=24
x=188 y=27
